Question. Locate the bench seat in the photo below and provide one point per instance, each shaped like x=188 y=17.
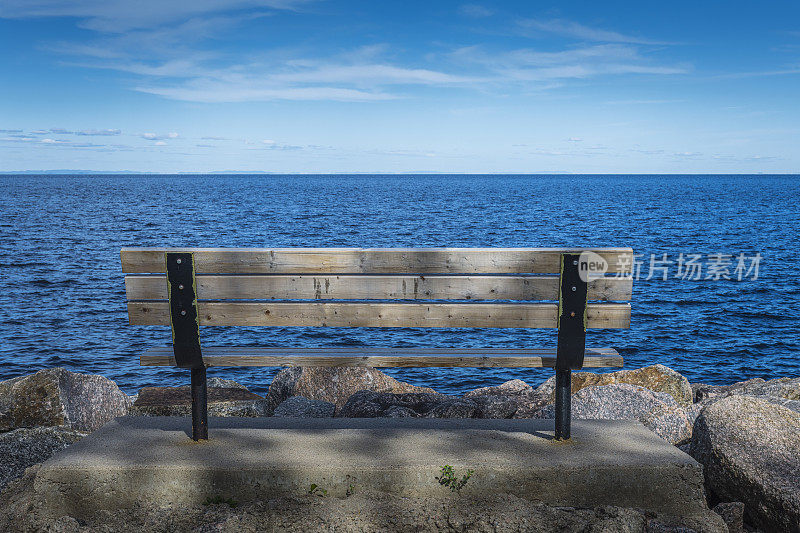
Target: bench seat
x=383 y=357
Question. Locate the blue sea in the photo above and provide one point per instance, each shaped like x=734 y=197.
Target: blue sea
x=727 y=245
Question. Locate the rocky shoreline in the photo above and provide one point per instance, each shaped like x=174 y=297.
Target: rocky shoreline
x=746 y=435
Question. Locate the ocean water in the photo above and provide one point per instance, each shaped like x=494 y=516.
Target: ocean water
x=62 y=297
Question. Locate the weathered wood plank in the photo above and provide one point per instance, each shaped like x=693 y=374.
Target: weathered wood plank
x=383 y=357
x=376 y=287
x=370 y=260
x=357 y=351
x=358 y=314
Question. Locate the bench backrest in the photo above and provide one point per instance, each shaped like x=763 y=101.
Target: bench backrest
x=356 y=287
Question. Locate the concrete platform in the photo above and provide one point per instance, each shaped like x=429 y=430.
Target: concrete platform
x=145 y=461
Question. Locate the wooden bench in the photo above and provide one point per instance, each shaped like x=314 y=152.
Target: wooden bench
x=401 y=288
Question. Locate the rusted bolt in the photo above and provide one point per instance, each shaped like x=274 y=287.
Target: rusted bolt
x=572 y=313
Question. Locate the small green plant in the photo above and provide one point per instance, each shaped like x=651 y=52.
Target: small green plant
x=350 y=490
x=218 y=500
x=316 y=489
x=449 y=479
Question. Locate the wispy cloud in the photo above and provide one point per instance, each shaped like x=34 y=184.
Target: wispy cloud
x=568 y=28
x=102 y=133
x=167 y=56
x=476 y=11
x=644 y=102
x=210 y=91
x=158 y=137
x=530 y=65
x=761 y=73
x=118 y=16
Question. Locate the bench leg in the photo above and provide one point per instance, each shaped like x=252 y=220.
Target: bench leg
x=563 y=403
x=199 y=404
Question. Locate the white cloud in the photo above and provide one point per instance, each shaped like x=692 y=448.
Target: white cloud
x=569 y=28
x=530 y=65
x=161 y=143
x=165 y=52
x=158 y=137
x=475 y=11
x=209 y=91
x=118 y=16
x=106 y=132
x=368 y=75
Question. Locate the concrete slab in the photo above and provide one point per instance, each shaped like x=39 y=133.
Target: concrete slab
x=145 y=461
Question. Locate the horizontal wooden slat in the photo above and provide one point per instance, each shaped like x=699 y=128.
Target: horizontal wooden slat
x=369 y=260
x=383 y=357
x=375 y=287
x=352 y=314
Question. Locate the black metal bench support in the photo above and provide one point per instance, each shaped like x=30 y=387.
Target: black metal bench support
x=199 y=404
x=186 y=334
x=571 y=338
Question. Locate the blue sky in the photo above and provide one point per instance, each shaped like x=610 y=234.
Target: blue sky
x=318 y=86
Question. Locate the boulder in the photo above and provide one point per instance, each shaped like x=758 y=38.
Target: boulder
x=333 y=384
x=514 y=387
x=453 y=408
x=657 y=378
x=300 y=407
x=512 y=399
x=220 y=383
x=658 y=411
x=58 y=397
x=26 y=447
x=749 y=449
x=498 y=406
x=785 y=388
x=177 y=401
x=370 y=404
x=733 y=515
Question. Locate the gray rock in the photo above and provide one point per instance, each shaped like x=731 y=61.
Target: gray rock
x=658 y=411
x=398 y=411
x=693 y=411
x=749 y=449
x=455 y=408
x=58 y=397
x=657 y=378
x=733 y=515
x=300 y=407
x=512 y=399
x=333 y=385
x=220 y=383
x=514 y=387
x=370 y=404
x=26 y=447
x=177 y=401
x=497 y=406
x=786 y=388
